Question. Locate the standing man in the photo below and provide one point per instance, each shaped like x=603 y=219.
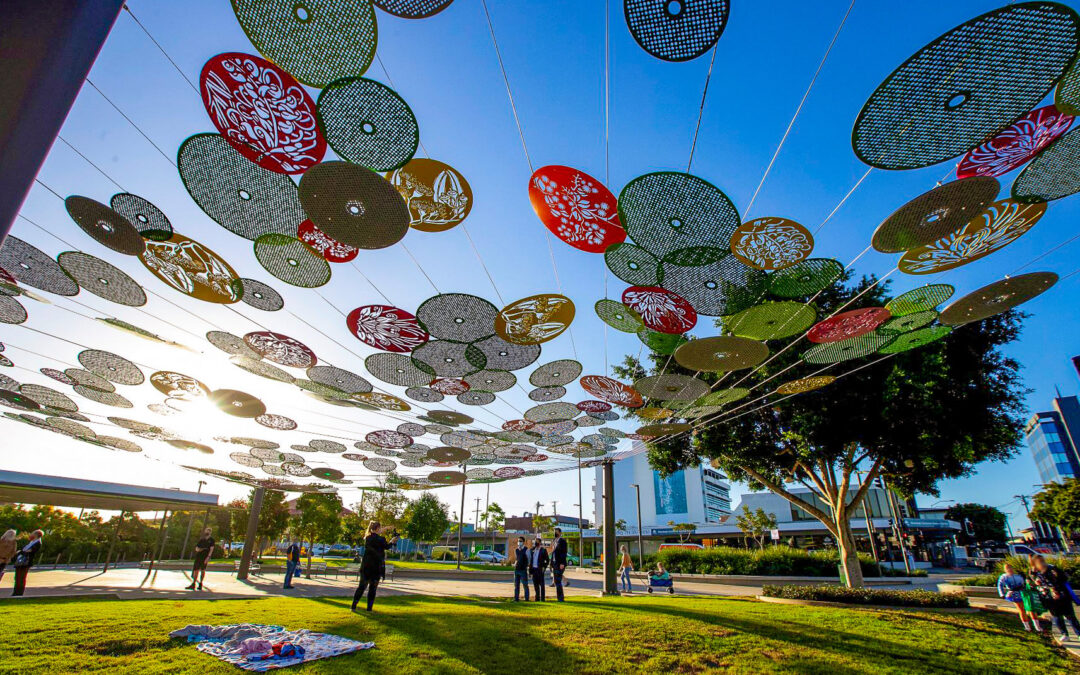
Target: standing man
x=538 y=562
x=521 y=569
x=558 y=562
x=203 y=548
x=292 y=563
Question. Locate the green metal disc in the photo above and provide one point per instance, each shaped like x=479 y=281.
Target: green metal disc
x=291 y=260
x=633 y=264
x=915 y=339
x=368 y=124
x=805 y=278
x=771 y=320
x=907 y=322
x=844 y=350
x=663 y=343
x=617 y=315
x=1053 y=173
x=668 y=211
x=919 y=299
x=723 y=397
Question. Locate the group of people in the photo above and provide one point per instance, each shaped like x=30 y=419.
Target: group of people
x=1045 y=585
x=21 y=558
x=531 y=562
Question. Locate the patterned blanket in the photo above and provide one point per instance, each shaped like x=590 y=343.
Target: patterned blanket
x=232 y=643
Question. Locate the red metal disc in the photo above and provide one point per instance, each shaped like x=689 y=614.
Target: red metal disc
x=639 y=437
x=509 y=472
x=385 y=438
x=331 y=249
x=387 y=328
x=281 y=349
x=576 y=208
x=612 y=391
x=538 y=457
x=660 y=309
x=518 y=425
x=449 y=386
x=593 y=406
x=850 y=324
x=262 y=112
x=1015 y=145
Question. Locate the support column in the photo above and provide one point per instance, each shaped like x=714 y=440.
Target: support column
x=112 y=544
x=461 y=519
x=252 y=529
x=48 y=49
x=191 y=519
x=161 y=538
x=610 y=554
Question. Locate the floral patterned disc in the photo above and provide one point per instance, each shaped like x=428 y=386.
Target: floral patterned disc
x=538 y=457
x=385 y=438
x=387 y=328
x=612 y=391
x=594 y=406
x=437 y=195
x=192 y=269
x=660 y=309
x=771 y=243
x=518 y=425
x=178 y=385
x=1014 y=146
x=576 y=208
x=384 y=401
x=281 y=349
x=850 y=324
x=535 y=319
x=450 y=386
x=262 y=112
x=331 y=249
x=509 y=472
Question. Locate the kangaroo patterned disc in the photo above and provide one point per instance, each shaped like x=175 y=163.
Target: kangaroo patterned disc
x=612 y=391
x=317 y=41
x=576 y=208
x=849 y=324
x=967 y=85
x=805 y=278
x=1053 y=174
x=262 y=112
x=660 y=309
x=1017 y=144
x=437 y=196
x=458 y=317
x=331 y=249
x=719 y=353
x=535 y=319
x=368 y=124
x=281 y=349
x=260 y=296
x=667 y=212
x=771 y=320
x=354 y=205
x=919 y=299
x=618 y=316
x=178 y=385
x=771 y=243
x=112 y=367
x=102 y=279
x=934 y=214
x=387 y=328
x=556 y=373
x=412 y=9
x=240 y=195
x=147 y=218
x=193 y=269
x=997 y=297
x=676 y=31
x=106 y=226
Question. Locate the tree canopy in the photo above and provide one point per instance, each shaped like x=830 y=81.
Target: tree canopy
x=318 y=518
x=1058 y=504
x=425 y=519
x=755 y=524
x=987 y=522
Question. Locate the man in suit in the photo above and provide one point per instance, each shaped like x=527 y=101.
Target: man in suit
x=521 y=569
x=538 y=561
x=558 y=562
x=292 y=563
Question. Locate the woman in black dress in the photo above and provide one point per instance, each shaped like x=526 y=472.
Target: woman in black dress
x=372 y=564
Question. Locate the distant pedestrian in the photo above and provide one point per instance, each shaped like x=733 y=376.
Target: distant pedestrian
x=373 y=565
x=292 y=563
x=558 y=562
x=203 y=549
x=1052 y=584
x=24 y=560
x=625 y=568
x=1011 y=586
x=521 y=569
x=7 y=550
x=538 y=562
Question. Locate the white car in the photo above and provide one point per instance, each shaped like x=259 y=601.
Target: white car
x=491 y=556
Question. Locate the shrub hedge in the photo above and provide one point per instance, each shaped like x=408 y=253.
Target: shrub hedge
x=769 y=561
x=867 y=596
x=1021 y=564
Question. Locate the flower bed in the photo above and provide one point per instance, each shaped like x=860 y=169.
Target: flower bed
x=868 y=596
x=769 y=561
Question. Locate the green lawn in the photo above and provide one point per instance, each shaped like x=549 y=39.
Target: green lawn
x=416 y=634
x=400 y=564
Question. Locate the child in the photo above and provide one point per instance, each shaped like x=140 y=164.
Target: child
x=1010 y=586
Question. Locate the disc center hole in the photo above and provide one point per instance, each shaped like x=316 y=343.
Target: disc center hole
x=301 y=12
x=675 y=223
x=958 y=99
x=368 y=128
x=355 y=208
x=244 y=194
x=673 y=8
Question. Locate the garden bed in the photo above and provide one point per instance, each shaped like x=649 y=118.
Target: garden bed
x=873 y=597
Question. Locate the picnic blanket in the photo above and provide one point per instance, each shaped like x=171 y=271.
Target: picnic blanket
x=239 y=644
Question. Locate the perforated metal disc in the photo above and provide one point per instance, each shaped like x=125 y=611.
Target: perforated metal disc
x=147 y=218
x=805 y=384
x=368 y=124
x=106 y=226
x=502 y=355
x=448 y=359
x=916 y=339
x=325 y=393
x=676 y=31
x=805 y=278
x=618 y=316
x=1053 y=174
x=279 y=422
x=338 y=378
x=48 y=397
x=238 y=194
x=1017 y=144
x=771 y=243
x=323 y=445
x=261 y=368
x=11 y=310
x=671 y=387
x=245 y=459
x=490 y=380
x=667 y=211
x=849 y=324
x=555 y=373
x=844 y=350
x=908 y=322
x=193 y=269
x=450 y=417
x=476 y=397
x=663 y=429
x=411 y=429
x=966 y=85
x=281 y=349
x=260 y=296
x=237 y=403
x=397 y=369
x=720 y=354
x=102 y=279
x=633 y=264
x=354 y=205
x=103 y=397
x=724 y=286
x=552 y=412
x=771 y=320
x=316 y=41
x=996 y=298
x=33 y=267
x=723 y=397
x=544 y=394
x=110 y=366
x=292 y=261
x=58 y=375
x=934 y=214
x=379 y=465
x=423 y=394
x=919 y=299
x=413 y=9
x=661 y=343
x=456 y=316
x=18 y=400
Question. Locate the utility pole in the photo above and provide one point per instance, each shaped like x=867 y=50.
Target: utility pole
x=1034 y=526
x=191 y=518
x=610 y=586
x=461 y=519
x=640 y=546
x=477 y=516
x=580 y=519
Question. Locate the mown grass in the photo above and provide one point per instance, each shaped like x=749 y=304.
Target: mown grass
x=415 y=634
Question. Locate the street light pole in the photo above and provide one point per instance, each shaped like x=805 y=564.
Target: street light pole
x=640 y=547
x=461 y=520
x=191 y=518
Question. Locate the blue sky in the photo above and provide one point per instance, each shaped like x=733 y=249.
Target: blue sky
x=445 y=68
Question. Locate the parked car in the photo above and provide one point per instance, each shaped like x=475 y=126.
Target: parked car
x=491 y=556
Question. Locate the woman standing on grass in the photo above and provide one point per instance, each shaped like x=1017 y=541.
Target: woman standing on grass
x=1052 y=584
x=1011 y=586
x=24 y=560
x=372 y=565
x=7 y=550
x=625 y=568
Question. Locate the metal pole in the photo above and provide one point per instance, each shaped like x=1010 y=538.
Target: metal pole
x=895 y=510
x=461 y=522
x=112 y=544
x=868 y=517
x=49 y=48
x=191 y=519
x=161 y=537
x=580 y=519
x=249 y=537
x=610 y=587
x=640 y=545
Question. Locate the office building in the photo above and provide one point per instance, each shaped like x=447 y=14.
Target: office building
x=1052 y=435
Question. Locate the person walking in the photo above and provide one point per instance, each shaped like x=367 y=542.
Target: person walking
x=292 y=563
x=203 y=548
x=538 y=562
x=373 y=564
x=625 y=568
x=558 y=562
x=1052 y=584
x=1011 y=587
x=24 y=560
x=521 y=569
x=7 y=550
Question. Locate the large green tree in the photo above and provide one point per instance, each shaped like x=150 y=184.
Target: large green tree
x=317 y=519
x=425 y=519
x=914 y=418
x=273 y=517
x=494 y=520
x=987 y=523
x=1058 y=504
x=755 y=524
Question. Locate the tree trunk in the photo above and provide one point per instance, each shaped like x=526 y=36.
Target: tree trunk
x=849 y=554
